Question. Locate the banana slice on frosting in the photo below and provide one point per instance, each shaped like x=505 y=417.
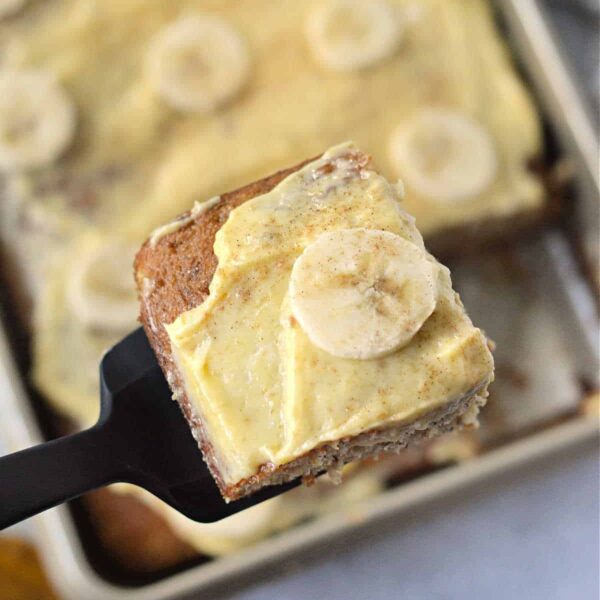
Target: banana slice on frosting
x=345 y=35
x=198 y=63
x=10 y=7
x=444 y=155
x=100 y=290
x=362 y=293
x=37 y=120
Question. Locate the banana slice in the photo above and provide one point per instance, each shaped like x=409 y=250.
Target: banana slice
x=66 y=350
x=37 y=120
x=198 y=63
x=100 y=290
x=444 y=155
x=345 y=35
x=10 y=7
x=362 y=293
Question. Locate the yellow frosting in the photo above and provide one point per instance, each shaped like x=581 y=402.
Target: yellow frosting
x=265 y=392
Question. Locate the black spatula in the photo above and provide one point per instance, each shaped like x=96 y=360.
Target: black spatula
x=141 y=437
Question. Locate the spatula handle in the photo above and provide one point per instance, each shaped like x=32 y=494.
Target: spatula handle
x=43 y=476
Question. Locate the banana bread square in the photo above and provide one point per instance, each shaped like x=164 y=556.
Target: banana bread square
x=302 y=324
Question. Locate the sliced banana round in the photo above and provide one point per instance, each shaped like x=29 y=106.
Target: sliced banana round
x=362 y=293
x=353 y=34
x=66 y=351
x=198 y=63
x=37 y=120
x=100 y=290
x=444 y=155
x=10 y=7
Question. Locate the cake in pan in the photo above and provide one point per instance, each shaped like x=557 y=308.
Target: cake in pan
x=130 y=132
x=301 y=325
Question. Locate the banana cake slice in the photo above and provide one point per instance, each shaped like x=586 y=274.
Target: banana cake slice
x=302 y=324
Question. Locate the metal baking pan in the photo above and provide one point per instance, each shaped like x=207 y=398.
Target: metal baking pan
x=533 y=298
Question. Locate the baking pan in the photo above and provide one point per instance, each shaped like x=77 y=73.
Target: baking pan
x=534 y=297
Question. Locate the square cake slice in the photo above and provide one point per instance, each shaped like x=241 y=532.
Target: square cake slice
x=301 y=325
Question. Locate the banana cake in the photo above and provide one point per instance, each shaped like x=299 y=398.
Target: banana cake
x=105 y=119
x=301 y=325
